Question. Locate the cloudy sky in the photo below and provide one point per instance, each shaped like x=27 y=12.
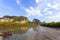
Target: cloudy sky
x=44 y=10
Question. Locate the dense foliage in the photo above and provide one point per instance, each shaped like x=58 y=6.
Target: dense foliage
x=51 y=24
x=19 y=18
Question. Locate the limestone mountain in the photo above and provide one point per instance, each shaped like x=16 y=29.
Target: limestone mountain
x=16 y=19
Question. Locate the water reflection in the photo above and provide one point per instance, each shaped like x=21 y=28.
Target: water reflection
x=38 y=33
x=29 y=35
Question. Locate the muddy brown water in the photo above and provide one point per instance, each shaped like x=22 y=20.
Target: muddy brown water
x=38 y=33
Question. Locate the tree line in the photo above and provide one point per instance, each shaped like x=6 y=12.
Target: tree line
x=51 y=24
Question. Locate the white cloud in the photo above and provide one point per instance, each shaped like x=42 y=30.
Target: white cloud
x=33 y=12
x=54 y=5
x=49 y=4
x=45 y=9
x=54 y=17
x=18 y=2
x=49 y=12
x=37 y=1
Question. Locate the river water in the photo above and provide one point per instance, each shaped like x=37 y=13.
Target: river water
x=38 y=33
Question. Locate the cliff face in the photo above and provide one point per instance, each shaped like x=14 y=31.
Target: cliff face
x=16 y=19
x=6 y=20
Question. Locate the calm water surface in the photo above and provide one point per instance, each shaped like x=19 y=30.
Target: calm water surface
x=38 y=33
x=29 y=35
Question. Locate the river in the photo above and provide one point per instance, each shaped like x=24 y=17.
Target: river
x=38 y=33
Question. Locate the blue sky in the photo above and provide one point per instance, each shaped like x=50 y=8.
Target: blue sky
x=44 y=10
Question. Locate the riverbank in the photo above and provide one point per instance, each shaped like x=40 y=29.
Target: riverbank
x=16 y=27
x=51 y=24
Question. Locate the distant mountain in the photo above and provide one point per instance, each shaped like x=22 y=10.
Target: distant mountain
x=16 y=19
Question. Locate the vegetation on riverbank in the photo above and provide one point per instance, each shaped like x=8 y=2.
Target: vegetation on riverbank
x=12 y=24
x=16 y=27
x=51 y=24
